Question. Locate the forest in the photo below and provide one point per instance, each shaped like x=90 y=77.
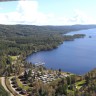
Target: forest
x=22 y=40
x=26 y=39
x=17 y=38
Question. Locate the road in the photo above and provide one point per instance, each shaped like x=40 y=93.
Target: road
x=4 y=85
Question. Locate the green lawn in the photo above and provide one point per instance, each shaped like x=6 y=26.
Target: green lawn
x=7 y=82
x=3 y=92
x=80 y=84
x=70 y=91
x=13 y=57
x=25 y=87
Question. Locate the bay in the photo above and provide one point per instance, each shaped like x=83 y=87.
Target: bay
x=78 y=56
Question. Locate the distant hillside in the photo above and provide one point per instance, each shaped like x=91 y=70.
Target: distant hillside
x=28 y=30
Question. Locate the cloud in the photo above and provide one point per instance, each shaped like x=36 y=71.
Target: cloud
x=1 y=8
x=27 y=13
x=28 y=10
x=81 y=18
x=30 y=14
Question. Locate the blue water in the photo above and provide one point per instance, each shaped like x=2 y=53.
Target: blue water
x=78 y=56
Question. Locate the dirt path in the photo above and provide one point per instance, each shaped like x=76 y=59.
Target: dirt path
x=4 y=85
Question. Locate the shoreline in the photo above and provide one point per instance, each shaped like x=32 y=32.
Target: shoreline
x=35 y=52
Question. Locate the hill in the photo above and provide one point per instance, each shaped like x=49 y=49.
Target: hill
x=30 y=30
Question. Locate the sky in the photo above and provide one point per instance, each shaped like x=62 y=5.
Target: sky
x=48 y=12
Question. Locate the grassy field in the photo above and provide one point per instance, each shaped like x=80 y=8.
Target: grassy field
x=21 y=85
x=70 y=91
x=80 y=84
x=3 y=91
x=13 y=57
x=10 y=88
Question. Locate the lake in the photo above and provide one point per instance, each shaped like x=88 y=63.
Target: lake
x=78 y=56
